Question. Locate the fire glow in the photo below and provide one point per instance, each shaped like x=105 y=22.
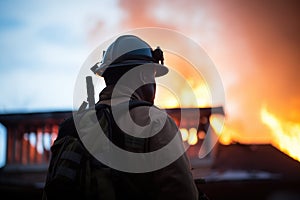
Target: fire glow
x=191 y=136
x=286 y=135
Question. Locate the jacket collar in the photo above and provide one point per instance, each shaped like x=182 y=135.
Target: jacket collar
x=121 y=94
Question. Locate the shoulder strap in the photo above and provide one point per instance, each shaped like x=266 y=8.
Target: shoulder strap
x=132 y=104
x=120 y=138
x=136 y=103
x=64 y=166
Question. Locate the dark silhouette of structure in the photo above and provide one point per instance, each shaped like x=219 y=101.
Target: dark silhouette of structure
x=234 y=171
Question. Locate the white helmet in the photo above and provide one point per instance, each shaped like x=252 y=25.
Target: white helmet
x=128 y=51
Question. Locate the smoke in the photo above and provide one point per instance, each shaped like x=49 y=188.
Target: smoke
x=254 y=44
x=263 y=38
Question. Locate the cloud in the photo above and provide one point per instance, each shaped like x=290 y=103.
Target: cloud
x=254 y=45
x=270 y=34
x=43 y=45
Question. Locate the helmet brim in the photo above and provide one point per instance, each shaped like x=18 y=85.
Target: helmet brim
x=161 y=70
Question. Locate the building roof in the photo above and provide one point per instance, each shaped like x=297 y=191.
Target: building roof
x=251 y=161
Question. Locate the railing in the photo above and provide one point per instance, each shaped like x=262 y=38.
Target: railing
x=30 y=136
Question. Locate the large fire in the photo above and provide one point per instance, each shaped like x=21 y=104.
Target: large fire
x=286 y=135
x=191 y=90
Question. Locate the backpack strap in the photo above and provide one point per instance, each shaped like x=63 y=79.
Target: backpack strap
x=116 y=135
x=122 y=106
x=136 y=103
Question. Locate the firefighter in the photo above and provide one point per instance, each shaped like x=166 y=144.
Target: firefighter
x=129 y=67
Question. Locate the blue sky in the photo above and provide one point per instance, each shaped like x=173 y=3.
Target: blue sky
x=43 y=45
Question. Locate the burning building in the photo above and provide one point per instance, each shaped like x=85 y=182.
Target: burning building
x=29 y=138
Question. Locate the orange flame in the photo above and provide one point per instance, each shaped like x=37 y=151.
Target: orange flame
x=221 y=129
x=197 y=96
x=190 y=88
x=286 y=134
x=192 y=91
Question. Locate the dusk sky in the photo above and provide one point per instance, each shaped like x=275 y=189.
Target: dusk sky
x=255 y=46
